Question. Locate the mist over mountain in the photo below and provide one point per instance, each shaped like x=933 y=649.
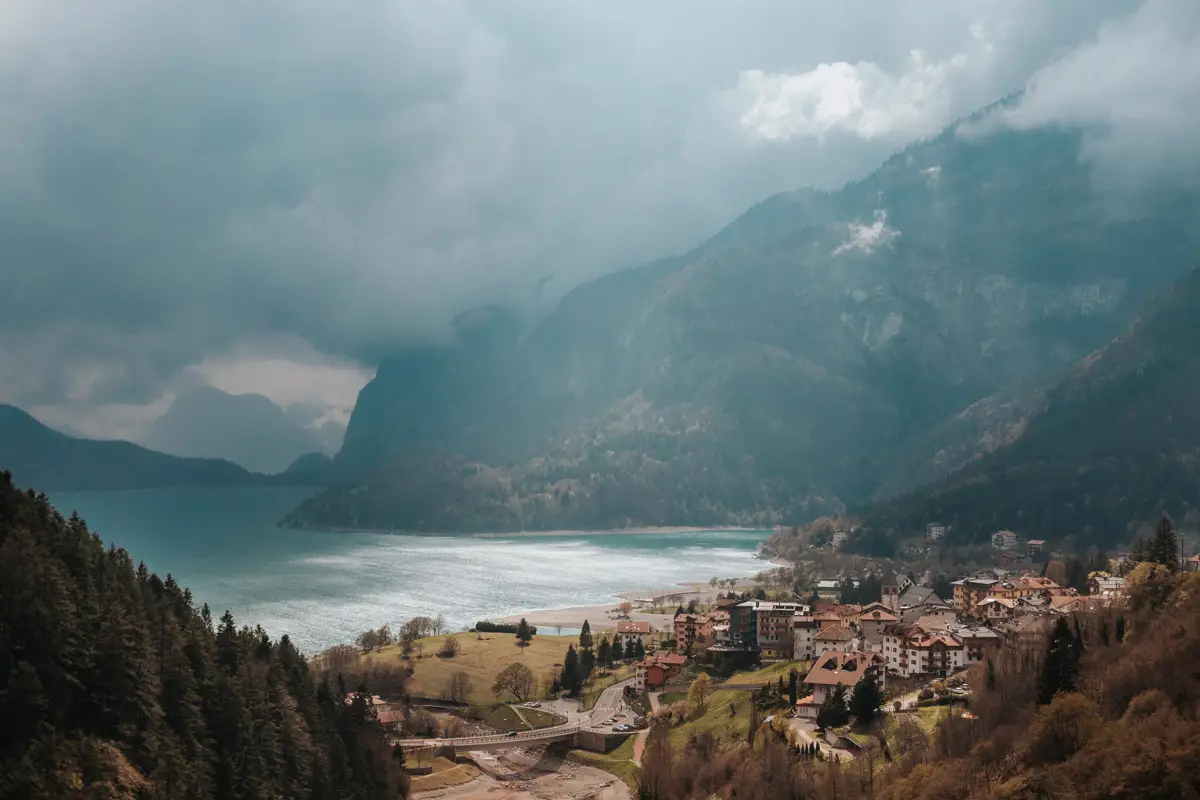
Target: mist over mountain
x=783 y=368
x=1113 y=446
x=248 y=429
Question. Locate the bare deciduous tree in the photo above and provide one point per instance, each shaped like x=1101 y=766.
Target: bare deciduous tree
x=517 y=680
x=458 y=688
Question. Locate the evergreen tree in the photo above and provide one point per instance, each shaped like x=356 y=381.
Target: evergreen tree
x=833 y=712
x=618 y=653
x=814 y=598
x=1164 y=547
x=585 y=636
x=604 y=652
x=570 y=678
x=1060 y=667
x=848 y=591
x=793 y=686
x=1120 y=628
x=991 y=675
x=524 y=633
x=639 y=649
x=113 y=676
x=866 y=698
x=1139 y=552
x=587 y=663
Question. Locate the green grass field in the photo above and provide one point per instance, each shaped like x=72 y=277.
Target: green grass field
x=445 y=773
x=717 y=719
x=770 y=673
x=515 y=718
x=482 y=659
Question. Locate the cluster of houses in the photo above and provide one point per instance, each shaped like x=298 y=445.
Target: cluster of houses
x=911 y=634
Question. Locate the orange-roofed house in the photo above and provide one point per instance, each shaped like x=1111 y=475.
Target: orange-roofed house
x=629 y=632
x=1068 y=604
x=827 y=618
x=834 y=638
x=873 y=619
x=653 y=673
x=835 y=669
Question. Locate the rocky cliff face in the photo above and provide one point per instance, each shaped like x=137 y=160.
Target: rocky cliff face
x=782 y=368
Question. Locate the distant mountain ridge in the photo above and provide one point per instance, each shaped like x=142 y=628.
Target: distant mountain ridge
x=39 y=456
x=248 y=429
x=789 y=367
x=1114 y=445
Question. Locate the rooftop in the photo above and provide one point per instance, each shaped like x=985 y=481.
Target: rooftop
x=626 y=626
x=835 y=633
x=834 y=668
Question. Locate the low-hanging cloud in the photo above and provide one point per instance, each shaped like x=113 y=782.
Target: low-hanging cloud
x=180 y=182
x=1134 y=88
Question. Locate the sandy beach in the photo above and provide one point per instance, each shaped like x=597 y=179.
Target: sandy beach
x=604 y=617
x=614 y=531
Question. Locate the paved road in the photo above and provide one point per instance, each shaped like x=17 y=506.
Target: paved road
x=639 y=746
x=610 y=701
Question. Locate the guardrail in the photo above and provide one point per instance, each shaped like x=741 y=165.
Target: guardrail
x=503 y=738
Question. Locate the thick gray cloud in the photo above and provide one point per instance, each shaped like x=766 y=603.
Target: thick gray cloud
x=1135 y=88
x=182 y=182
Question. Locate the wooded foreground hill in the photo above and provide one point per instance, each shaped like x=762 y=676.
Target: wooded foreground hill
x=114 y=685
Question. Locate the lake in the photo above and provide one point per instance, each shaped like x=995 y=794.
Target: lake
x=323 y=588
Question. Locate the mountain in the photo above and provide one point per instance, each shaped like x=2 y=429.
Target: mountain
x=128 y=690
x=784 y=369
x=248 y=429
x=1114 y=445
x=314 y=469
x=38 y=455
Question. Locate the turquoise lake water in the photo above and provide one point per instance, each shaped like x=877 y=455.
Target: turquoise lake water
x=323 y=588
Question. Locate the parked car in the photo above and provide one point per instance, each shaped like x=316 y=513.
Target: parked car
x=512 y=734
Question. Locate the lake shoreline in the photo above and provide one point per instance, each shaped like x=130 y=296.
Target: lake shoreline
x=648 y=530
x=605 y=616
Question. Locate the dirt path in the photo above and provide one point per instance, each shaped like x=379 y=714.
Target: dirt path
x=802 y=733
x=639 y=744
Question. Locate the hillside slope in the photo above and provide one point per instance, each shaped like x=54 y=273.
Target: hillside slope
x=1115 y=444
x=38 y=455
x=116 y=685
x=783 y=368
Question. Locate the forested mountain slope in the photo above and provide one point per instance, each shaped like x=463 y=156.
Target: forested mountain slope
x=114 y=685
x=782 y=369
x=1115 y=443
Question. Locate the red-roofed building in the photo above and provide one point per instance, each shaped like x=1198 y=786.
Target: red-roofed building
x=653 y=673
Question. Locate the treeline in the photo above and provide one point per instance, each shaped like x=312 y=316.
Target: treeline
x=501 y=627
x=1106 y=705
x=113 y=684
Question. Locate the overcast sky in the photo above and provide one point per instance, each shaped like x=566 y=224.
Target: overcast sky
x=267 y=196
